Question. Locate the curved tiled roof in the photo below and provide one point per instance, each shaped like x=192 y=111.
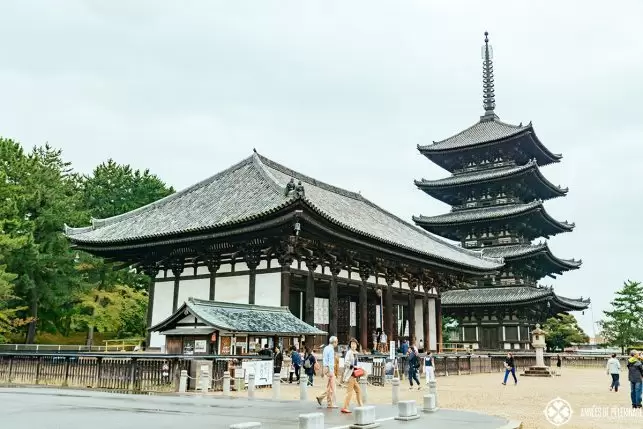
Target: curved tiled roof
x=525 y=250
x=490 y=213
x=482 y=131
x=467 y=179
x=254 y=188
x=509 y=295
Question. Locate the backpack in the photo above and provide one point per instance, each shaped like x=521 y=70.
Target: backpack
x=308 y=364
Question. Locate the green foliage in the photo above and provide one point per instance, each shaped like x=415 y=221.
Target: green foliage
x=43 y=281
x=449 y=328
x=623 y=325
x=563 y=331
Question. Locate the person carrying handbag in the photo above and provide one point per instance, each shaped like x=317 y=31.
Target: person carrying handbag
x=351 y=375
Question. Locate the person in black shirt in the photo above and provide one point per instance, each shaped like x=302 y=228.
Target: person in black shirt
x=510 y=367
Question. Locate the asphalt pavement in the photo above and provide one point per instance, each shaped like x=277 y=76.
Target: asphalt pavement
x=43 y=408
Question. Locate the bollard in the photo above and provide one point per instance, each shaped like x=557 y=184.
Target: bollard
x=433 y=389
x=226 y=383
x=247 y=425
x=251 y=386
x=183 y=381
x=429 y=404
x=239 y=380
x=407 y=410
x=311 y=421
x=276 y=386
x=204 y=380
x=364 y=418
x=303 y=388
x=363 y=386
x=395 y=383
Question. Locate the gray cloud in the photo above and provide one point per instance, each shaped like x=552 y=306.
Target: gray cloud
x=342 y=91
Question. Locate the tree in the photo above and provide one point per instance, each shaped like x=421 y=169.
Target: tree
x=113 y=189
x=42 y=194
x=449 y=328
x=623 y=326
x=562 y=331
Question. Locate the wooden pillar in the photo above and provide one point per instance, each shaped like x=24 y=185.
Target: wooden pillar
x=426 y=320
x=388 y=307
x=438 y=322
x=285 y=259
x=364 y=274
x=151 y=271
x=335 y=268
x=309 y=313
x=213 y=263
x=412 y=318
x=252 y=257
x=177 y=269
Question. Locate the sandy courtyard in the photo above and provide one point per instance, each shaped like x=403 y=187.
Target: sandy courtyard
x=586 y=390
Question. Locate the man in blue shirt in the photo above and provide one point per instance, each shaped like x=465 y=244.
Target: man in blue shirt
x=328 y=369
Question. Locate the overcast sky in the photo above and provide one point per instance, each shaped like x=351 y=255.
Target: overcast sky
x=344 y=91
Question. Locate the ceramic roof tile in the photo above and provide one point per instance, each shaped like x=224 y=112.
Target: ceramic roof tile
x=476 y=176
x=473 y=215
x=255 y=187
x=480 y=132
x=507 y=295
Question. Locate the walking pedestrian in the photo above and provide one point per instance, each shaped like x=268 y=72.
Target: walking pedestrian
x=635 y=376
x=328 y=370
x=309 y=365
x=278 y=361
x=614 y=370
x=559 y=364
x=429 y=368
x=510 y=368
x=414 y=364
x=295 y=359
x=351 y=375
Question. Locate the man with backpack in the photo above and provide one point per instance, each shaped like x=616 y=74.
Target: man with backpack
x=414 y=364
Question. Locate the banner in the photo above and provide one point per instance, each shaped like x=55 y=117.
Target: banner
x=262 y=369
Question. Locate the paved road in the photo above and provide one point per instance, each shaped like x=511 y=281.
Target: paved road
x=42 y=408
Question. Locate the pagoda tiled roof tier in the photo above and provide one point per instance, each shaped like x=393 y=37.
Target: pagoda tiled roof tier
x=530 y=219
x=255 y=189
x=534 y=260
x=517 y=142
x=536 y=186
x=508 y=296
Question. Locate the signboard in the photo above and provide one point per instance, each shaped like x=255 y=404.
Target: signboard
x=200 y=346
x=262 y=369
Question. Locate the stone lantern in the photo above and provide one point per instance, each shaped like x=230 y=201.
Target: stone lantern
x=538 y=343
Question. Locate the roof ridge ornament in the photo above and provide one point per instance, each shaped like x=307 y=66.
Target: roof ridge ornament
x=488 y=94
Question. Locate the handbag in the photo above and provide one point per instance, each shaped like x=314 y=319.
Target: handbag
x=358 y=372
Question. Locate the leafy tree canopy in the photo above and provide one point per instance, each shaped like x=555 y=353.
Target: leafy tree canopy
x=623 y=324
x=562 y=331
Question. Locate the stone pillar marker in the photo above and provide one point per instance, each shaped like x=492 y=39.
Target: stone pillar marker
x=364 y=418
x=407 y=410
x=251 y=386
x=303 y=387
x=183 y=381
x=363 y=386
x=433 y=390
x=276 y=386
x=429 y=404
x=226 y=383
x=395 y=384
x=538 y=343
x=311 y=421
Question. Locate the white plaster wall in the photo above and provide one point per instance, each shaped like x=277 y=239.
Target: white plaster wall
x=371 y=279
x=433 y=337
x=232 y=289
x=163 y=297
x=202 y=271
x=262 y=265
x=199 y=288
x=343 y=274
x=268 y=289
x=419 y=322
x=225 y=268
x=240 y=266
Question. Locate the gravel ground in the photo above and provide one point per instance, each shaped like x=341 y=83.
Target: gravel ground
x=586 y=391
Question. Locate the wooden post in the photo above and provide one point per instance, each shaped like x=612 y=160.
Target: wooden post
x=213 y=263
x=309 y=313
x=177 y=269
x=438 y=323
x=388 y=307
x=364 y=274
x=132 y=375
x=38 y=362
x=426 y=321
x=151 y=270
x=99 y=371
x=332 y=299
x=412 y=318
x=66 y=379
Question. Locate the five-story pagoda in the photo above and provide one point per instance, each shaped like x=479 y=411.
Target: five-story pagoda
x=496 y=192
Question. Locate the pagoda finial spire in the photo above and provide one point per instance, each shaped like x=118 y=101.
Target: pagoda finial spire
x=489 y=102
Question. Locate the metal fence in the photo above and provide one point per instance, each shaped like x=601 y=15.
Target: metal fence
x=123 y=372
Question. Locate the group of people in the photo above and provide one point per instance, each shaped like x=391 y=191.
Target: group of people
x=634 y=375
